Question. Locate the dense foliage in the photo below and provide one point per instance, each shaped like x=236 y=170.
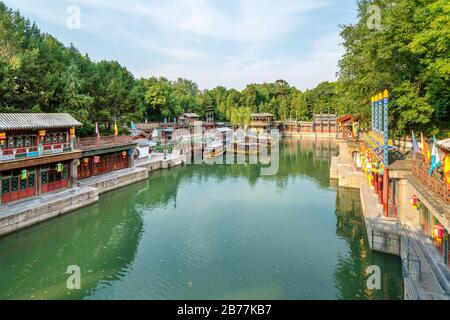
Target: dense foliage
x=409 y=56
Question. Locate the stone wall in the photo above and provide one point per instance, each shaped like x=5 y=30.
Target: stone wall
x=117 y=179
x=24 y=215
x=310 y=135
x=21 y=215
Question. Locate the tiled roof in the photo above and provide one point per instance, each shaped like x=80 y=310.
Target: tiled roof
x=444 y=144
x=191 y=115
x=264 y=114
x=36 y=121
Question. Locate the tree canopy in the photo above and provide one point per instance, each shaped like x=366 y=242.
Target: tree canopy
x=409 y=55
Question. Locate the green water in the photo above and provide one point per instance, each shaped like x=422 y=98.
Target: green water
x=208 y=232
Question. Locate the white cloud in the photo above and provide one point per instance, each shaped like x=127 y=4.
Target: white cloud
x=237 y=71
x=218 y=42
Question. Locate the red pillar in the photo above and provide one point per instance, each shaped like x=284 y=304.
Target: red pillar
x=375 y=182
x=386 y=192
x=380 y=189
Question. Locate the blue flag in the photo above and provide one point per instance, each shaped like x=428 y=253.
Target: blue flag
x=435 y=160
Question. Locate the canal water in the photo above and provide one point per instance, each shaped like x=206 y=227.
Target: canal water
x=208 y=232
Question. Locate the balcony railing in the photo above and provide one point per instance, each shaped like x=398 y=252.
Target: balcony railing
x=102 y=142
x=435 y=182
x=10 y=154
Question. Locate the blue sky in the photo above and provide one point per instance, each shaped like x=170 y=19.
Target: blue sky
x=213 y=42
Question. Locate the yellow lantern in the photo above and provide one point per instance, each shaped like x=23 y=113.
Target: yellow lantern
x=72 y=132
x=2 y=139
x=42 y=134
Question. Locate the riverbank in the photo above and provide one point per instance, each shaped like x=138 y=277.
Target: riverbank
x=208 y=232
x=27 y=213
x=425 y=276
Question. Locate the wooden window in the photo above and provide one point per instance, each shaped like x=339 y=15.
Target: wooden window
x=44 y=177
x=6 y=185
x=11 y=142
x=28 y=141
x=19 y=141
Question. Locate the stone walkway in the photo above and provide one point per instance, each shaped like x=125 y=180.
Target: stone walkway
x=20 y=215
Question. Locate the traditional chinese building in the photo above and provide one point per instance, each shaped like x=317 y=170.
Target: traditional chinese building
x=325 y=123
x=261 y=122
x=322 y=125
x=188 y=119
x=348 y=126
x=430 y=198
x=37 y=154
x=105 y=154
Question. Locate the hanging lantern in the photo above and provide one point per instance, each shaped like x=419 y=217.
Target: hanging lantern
x=2 y=139
x=59 y=167
x=24 y=174
x=72 y=132
x=414 y=201
x=124 y=154
x=438 y=231
x=42 y=134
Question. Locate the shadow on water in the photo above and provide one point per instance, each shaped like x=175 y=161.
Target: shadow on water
x=101 y=242
x=222 y=236
x=350 y=274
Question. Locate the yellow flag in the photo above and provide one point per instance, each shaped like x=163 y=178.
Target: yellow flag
x=425 y=150
x=447 y=168
x=116 y=131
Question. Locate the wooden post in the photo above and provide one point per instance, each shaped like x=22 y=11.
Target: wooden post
x=375 y=184
x=380 y=189
x=386 y=192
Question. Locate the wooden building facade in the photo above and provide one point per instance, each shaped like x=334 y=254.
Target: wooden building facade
x=261 y=122
x=105 y=154
x=37 y=154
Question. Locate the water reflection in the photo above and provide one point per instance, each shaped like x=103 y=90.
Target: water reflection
x=102 y=243
x=207 y=232
x=350 y=275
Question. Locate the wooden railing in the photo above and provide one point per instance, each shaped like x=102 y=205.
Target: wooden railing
x=102 y=142
x=33 y=151
x=435 y=182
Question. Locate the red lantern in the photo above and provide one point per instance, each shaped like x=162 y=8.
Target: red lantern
x=438 y=231
x=414 y=201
